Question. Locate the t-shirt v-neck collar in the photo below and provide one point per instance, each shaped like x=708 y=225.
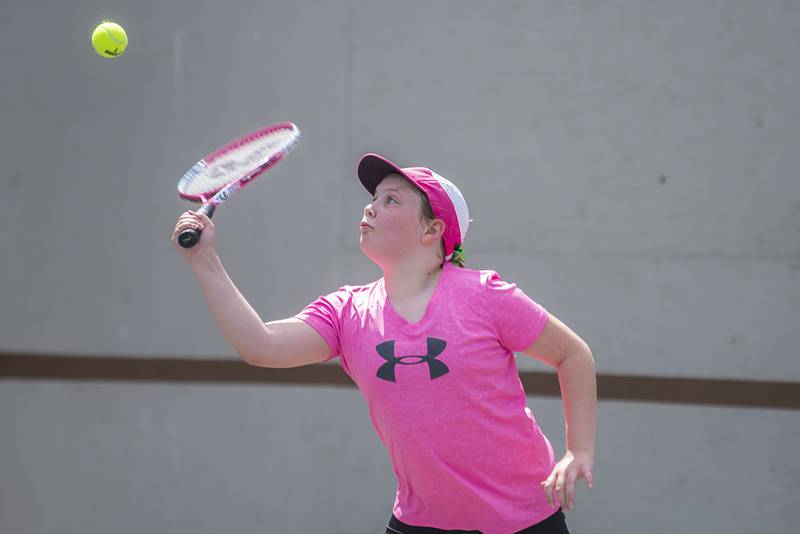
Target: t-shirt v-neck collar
x=429 y=308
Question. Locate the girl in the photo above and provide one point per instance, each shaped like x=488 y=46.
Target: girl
x=430 y=346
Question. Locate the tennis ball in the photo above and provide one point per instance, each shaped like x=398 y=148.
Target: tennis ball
x=109 y=39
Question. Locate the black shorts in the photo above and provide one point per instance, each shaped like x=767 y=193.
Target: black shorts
x=555 y=524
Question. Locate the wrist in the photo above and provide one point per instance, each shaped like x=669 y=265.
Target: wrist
x=205 y=262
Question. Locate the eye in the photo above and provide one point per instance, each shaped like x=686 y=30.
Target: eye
x=390 y=198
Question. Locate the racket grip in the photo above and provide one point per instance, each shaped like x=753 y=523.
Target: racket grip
x=189 y=238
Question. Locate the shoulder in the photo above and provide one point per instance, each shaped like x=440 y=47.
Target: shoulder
x=359 y=290
x=482 y=279
x=478 y=282
x=351 y=296
x=493 y=286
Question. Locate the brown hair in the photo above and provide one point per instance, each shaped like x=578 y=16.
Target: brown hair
x=426 y=212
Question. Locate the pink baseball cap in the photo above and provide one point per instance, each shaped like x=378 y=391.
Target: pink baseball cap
x=445 y=198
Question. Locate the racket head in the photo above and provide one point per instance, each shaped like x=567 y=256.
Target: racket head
x=219 y=174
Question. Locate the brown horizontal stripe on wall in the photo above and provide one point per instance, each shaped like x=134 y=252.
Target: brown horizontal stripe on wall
x=696 y=391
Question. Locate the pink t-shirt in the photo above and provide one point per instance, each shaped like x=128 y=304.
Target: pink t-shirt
x=445 y=397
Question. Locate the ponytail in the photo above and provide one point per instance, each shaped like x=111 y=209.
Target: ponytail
x=459 y=256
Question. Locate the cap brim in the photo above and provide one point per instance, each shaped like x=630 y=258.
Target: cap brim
x=372 y=168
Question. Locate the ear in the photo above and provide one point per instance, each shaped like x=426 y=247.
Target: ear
x=434 y=231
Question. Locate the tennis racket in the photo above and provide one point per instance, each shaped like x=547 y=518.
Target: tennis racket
x=216 y=177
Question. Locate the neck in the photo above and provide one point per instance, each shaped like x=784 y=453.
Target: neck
x=406 y=281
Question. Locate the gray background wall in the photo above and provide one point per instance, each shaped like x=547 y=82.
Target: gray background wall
x=632 y=165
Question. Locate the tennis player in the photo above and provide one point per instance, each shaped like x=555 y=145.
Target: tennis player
x=431 y=347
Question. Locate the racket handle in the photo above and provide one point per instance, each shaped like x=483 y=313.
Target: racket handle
x=189 y=238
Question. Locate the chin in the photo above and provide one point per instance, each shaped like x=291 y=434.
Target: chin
x=375 y=258
x=365 y=250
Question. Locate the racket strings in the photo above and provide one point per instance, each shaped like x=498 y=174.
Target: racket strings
x=207 y=177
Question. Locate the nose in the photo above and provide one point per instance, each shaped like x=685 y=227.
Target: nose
x=368 y=211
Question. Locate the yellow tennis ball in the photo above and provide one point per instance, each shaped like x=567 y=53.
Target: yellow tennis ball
x=109 y=39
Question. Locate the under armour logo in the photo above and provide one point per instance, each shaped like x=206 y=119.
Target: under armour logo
x=435 y=367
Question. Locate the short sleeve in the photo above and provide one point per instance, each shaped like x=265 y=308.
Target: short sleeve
x=517 y=318
x=324 y=315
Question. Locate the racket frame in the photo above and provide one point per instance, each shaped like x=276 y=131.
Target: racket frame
x=224 y=192
x=212 y=199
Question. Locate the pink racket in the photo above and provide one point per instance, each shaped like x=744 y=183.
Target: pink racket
x=216 y=177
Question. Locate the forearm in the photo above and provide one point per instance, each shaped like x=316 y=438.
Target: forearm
x=235 y=317
x=578 y=381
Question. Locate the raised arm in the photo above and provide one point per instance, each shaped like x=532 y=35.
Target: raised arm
x=285 y=343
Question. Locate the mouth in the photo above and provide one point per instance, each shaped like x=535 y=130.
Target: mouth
x=365 y=225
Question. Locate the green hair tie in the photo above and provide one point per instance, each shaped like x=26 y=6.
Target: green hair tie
x=459 y=256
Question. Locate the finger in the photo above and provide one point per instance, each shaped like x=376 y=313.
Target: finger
x=543 y=485
x=188 y=220
x=205 y=219
x=186 y=225
x=547 y=487
x=587 y=473
x=551 y=493
x=191 y=216
x=178 y=231
x=560 y=488
x=569 y=494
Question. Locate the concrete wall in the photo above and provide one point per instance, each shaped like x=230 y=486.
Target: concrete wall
x=632 y=165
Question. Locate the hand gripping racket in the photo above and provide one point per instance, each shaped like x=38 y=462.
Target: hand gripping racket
x=216 y=177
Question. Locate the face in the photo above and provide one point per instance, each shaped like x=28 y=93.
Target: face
x=394 y=215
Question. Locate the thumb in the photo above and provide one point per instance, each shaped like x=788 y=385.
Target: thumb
x=589 y=480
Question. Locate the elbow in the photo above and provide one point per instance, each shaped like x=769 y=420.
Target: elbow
x=256 y=359
x=586 y=353
x=582 y=357
x=247 y=359
x=255 y=351
x=257 y=362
